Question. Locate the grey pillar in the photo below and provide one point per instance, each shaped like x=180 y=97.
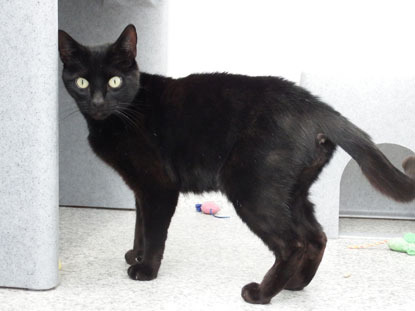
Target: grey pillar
x=28 y=148
x=84 y=179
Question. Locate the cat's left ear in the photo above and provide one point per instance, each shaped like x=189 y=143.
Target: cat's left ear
x=126 y=44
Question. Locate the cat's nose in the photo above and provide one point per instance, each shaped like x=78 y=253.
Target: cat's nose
x=97 y=100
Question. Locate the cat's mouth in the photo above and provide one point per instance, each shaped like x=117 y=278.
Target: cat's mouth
x=99 y=115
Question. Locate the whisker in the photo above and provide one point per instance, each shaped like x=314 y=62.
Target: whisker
x=126 y=119
x=133 y=112
x=69 y=114
x=128 y=114
x=137 y=117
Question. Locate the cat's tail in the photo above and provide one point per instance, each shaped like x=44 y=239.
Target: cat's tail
x=375 y=166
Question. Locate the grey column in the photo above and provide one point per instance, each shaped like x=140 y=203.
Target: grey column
x=84 y=179
x=28 y=144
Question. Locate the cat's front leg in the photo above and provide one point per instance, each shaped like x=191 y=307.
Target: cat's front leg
x=136 y=254
x=157 y=209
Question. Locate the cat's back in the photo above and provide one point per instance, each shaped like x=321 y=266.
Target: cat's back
x=223 y=97
x=236 y=91
x=224 y=82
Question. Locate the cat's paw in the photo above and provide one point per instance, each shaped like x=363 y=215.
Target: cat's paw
x=132 y=257
x=296 y=283
x=294 y=287
x=142 y=272
x=251 y=293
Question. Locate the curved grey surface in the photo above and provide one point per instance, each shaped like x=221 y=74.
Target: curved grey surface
x=359 y=199
x=84 y=179
x=28 y=149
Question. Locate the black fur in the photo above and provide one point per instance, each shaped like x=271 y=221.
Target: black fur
x=262 y=141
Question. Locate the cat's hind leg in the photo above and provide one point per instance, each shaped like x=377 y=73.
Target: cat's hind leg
x=273 y=224
x=263 y=187
x=303 y=211
x=316 y=241
x=259 y=190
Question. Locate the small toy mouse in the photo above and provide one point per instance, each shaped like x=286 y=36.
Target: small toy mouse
x=210 y=208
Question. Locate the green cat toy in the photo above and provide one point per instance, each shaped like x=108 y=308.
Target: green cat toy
x=404 y=245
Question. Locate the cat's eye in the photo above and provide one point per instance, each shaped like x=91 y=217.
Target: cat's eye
x=82 y=83
x=115 y=82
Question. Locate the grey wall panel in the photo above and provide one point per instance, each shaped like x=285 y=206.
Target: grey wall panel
x=28 y=148
x=84 y=179
x=359 y=199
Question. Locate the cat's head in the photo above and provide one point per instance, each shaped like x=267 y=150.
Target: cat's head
x=103 y=80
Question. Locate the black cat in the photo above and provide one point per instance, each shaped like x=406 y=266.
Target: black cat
x=262 y=141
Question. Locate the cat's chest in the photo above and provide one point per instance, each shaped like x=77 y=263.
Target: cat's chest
x=111 y=147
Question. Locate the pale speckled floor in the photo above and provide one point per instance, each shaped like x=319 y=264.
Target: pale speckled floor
x=207 y=261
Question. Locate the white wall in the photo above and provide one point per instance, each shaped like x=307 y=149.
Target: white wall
x=286 y=37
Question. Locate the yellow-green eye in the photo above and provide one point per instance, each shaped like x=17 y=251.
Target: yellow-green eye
x=82 y=83
x=114 y=82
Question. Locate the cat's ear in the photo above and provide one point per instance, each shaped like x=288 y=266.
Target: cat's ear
x=126 y=43
x=68 y=47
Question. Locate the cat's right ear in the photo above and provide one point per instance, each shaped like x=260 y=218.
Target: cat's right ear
x=68 y=47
